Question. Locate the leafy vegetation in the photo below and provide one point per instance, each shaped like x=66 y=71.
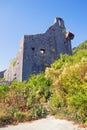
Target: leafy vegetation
x=24 y=100
x=2 y=79
x=69 y=85
x=61 y=90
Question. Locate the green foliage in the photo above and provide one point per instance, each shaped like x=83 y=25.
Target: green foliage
x=82 y=46
x=2 y=79
x=63 y=87
x=24 y=98
x=39 y=112
x=39 y=88
x=69 y=87
x=69 y=84
x=4 y=93
x=19 y=116
x=63 y=60
x=17 y=95
x=5 y=120
x=4 y=88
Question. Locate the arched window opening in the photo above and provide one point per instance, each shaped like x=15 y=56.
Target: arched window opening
x=59 y=23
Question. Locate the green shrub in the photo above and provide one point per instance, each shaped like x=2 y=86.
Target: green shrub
x=15 y=114
x=4 y=93
x=2 y=79
x=38 y=88
x=69 y=86
x=5 y=120
x=19 y=116
x=39 y=112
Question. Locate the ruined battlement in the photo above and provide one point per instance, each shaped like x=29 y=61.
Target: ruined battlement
x=59 y=21
x=38 y=51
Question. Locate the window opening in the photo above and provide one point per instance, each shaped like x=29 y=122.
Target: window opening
x=33 y=48
x=14 y=74
x=42 y=51
x=59 y=23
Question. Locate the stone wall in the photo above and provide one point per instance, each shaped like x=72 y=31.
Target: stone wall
x=2 y=74
x=14 y=72
x=42 y=49
x=39 y=51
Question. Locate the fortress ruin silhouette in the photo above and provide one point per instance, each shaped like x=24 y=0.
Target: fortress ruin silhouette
x=38 y=51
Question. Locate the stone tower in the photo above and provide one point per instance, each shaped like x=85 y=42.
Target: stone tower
x=39 y=51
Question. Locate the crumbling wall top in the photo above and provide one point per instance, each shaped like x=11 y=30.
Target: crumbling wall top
x=57 y=19
x=60 y=22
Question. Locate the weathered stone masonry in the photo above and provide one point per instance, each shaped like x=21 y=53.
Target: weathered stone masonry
x=39 y=51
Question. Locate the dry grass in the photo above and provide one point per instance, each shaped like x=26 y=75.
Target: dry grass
x=2 y=110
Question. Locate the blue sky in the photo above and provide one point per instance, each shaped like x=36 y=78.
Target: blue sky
x=20 y=17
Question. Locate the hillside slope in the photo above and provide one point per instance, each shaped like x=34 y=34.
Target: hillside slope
x=61 y=90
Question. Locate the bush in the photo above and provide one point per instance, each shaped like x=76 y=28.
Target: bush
x=38 y=88
x=5 y=120
x=39 y=112
x=69 y=86
x=17 y=95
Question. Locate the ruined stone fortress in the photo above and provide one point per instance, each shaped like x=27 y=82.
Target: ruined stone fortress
x=38 y=51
